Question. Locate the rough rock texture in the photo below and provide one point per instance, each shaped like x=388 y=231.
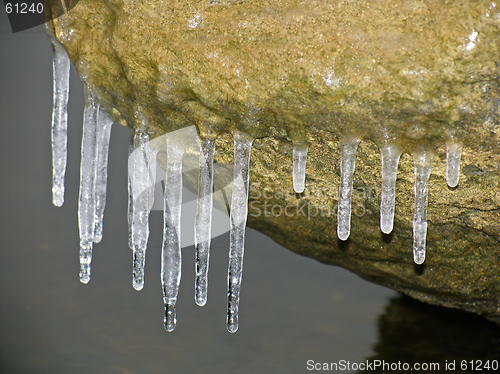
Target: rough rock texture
x=414 y=73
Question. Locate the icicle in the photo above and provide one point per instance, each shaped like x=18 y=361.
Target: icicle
x=142 y=179
x=238 y=219
x=390 y=160
x=171 y=249
x=422 y=163
x=347 y=166
x=102 y=149
x=299 y=166
x=453 y=155
x=86 y=206
x=130 y=200
x=203 y=221
x=61 y=69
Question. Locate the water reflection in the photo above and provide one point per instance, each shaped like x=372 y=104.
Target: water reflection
x=413 y=332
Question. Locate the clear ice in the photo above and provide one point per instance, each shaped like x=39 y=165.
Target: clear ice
x=171 y=248
x=130 y=201
x=203 y=220
x=103 y=134
x=86 y=203
x=61 y=71
x=142 y=178
x=422 y=162
x=453 y=155
x=238 y=219
x=299 y=166
x=390 y=160
x=347 y=166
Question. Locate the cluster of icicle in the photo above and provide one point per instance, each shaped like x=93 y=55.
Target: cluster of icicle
x=95 y=146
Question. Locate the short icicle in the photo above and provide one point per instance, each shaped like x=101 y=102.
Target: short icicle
x=299 y=166
x=203 y=220
x=171 y=248
x=422 y=162
x=390 y=160
x=102 y=149
x=61 y=70
x=238 y=219
x=453 y=156
x=142 y=178
x=86 y=203
x=347 y=166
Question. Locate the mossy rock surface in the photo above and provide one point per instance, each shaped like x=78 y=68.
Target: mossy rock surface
x=413 y=73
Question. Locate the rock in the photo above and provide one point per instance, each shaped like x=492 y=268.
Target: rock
x=414 y=73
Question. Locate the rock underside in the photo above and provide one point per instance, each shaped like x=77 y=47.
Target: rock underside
x=416 y=74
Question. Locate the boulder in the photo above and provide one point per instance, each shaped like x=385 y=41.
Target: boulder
x=413 y=74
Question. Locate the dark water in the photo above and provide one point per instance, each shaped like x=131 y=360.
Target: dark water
x=292 y=310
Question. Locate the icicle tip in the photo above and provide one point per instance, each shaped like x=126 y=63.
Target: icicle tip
x=200 y=300
x=170 y=320
x=137 y=285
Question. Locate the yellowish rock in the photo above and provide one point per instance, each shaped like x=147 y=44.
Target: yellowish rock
x=416 y=73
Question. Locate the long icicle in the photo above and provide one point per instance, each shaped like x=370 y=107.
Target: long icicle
x=203 y=220
x=422 y=162
x=453 y=156
x=86 y=206
x=171 y=248
x=347 y=166
x=238 y=219
x=390 y=160
x=299 y=166
x=142 y=178
x=61 y=72
x=130 y=201
x=102 y=149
